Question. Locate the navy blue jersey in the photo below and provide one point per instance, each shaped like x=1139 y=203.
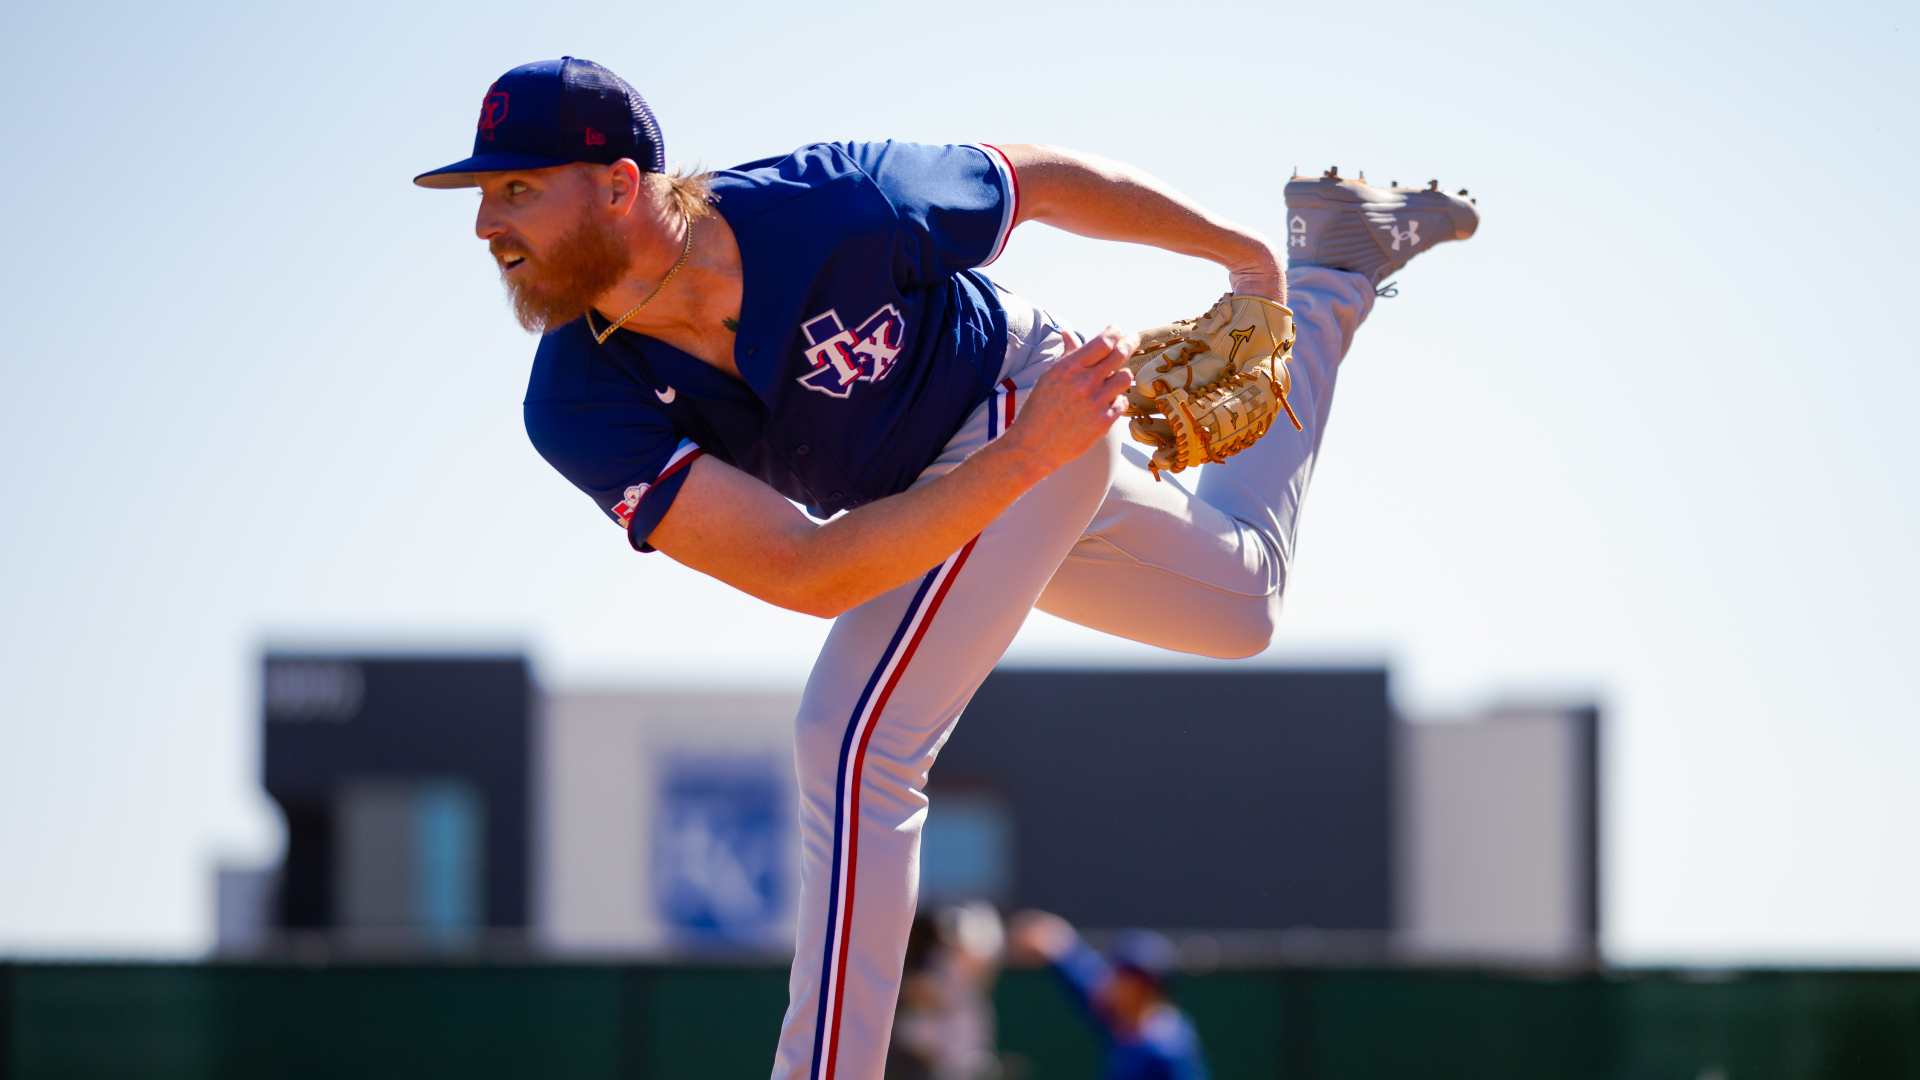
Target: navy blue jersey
x=866 y=338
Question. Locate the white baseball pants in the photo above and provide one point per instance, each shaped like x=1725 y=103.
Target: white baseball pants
x=1088 y=544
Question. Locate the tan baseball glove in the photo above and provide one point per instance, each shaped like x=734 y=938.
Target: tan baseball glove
x=1207 y=388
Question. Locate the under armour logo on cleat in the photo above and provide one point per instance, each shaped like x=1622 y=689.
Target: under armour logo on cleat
x=1297 y=232
x=1411 y=235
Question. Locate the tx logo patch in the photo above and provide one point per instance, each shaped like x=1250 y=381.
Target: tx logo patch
x=841 y=357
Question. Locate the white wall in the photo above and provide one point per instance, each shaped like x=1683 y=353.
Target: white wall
x=1492 y=838
x=601 y=763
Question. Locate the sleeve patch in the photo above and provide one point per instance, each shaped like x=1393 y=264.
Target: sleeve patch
x=638 y=514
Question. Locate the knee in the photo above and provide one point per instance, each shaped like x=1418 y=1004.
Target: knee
x=817 y=737
x=1245 y=629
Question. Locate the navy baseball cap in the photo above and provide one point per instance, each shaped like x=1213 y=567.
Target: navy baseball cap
x=557 y=112
x=1146 y=952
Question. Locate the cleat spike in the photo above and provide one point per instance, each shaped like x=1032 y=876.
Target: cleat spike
x=1433 y=185
x=1463 y=191
x=1334 y=172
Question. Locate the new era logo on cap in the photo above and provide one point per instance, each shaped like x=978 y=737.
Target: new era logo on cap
x=556 y=112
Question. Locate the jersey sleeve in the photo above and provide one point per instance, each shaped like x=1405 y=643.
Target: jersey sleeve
x=955 y=204
x=1086 y=974
x=626 y=458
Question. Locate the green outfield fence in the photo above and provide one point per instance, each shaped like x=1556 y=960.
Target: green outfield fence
x=600 y=1022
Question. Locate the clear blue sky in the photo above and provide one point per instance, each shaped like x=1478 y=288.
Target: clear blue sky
x=1649 y=437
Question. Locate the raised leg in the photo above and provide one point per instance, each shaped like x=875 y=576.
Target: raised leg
x=1201 y=569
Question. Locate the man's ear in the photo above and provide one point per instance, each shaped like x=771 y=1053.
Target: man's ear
x=623 y=185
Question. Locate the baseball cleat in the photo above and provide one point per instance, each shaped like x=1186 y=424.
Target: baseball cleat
x=1352 y=225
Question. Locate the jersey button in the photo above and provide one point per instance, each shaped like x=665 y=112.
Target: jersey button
x=803 y=450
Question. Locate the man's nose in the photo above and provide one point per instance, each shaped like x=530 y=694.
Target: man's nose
x=487 y=224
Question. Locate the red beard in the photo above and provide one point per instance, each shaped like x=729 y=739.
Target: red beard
x=551 y=292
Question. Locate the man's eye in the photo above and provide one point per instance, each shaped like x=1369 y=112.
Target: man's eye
x=516 y=188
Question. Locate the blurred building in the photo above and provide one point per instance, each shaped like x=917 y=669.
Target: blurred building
x=1272 y=816
x=667 y=822
x=1259 y=815
x=405 y=786
x=1497 y=837
x=1249 y=800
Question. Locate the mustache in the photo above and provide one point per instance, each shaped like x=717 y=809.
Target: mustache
x=503 y=246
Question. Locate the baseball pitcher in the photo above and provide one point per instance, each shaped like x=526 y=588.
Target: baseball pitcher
x=814 y=330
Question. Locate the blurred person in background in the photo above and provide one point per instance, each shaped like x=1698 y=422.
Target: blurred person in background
x=1125 y=992
x=944 y=1027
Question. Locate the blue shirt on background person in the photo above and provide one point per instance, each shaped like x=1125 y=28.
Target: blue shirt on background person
x=1163 y=1045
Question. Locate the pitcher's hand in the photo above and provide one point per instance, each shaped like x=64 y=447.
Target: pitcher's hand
x=1077 y=400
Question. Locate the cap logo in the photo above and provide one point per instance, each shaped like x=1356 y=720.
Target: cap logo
x=594 y=138
x=492 y=111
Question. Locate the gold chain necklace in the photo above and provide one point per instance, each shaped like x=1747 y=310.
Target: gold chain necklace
x=602 y=336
